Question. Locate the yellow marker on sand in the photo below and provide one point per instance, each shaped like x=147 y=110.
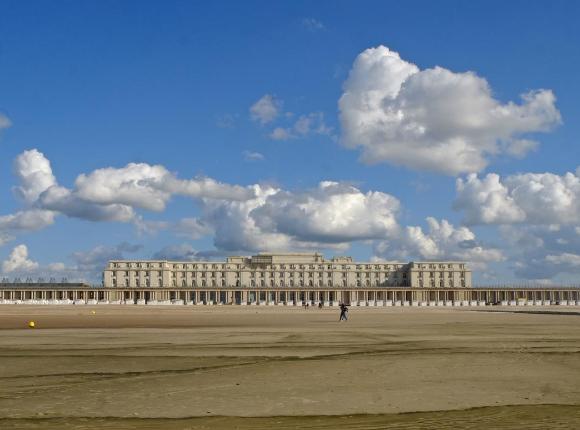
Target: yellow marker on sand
x=93 y=312
x=31 y=324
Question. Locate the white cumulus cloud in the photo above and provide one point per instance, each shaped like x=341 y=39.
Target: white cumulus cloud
x=533 y=198
x=331 y=215
x=434 y=119
x=18 y=261
x=107 y=194
x=442 y=241
x=34 y=173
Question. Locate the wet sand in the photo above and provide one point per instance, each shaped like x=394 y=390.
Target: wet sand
x=253 y=368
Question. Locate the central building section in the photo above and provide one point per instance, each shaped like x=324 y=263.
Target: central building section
x=284 y=270
x=311 y=270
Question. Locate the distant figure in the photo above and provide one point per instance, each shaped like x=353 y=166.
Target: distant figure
x=319 y=305
x=343 y=312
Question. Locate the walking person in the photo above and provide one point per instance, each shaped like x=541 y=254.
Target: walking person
x=343 y=312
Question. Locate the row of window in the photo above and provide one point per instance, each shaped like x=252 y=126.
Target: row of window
x=254 y=283
x=256 y=274
x=441 y=274
x=441 y=283
x=239 y=266
x=440 y=266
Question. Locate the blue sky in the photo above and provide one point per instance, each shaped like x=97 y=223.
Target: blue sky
x=97 y=85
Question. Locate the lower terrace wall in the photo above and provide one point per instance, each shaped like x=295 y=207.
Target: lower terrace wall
x=293 y=297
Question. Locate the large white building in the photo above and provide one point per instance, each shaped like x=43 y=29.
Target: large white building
x=287 y=270
x=289 y=279
x=279 y=278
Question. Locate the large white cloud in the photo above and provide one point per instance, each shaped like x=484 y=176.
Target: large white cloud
x=443 y=241
x=140 y=185
x=331 y=215
x=107 y=194
x=434 y=119
x=235 y=229
x=64 y=201
x=18 y=261
x=136 y=184
x=34 y=174
x=533 y=198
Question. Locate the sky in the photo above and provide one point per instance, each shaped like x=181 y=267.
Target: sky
x=400 y=131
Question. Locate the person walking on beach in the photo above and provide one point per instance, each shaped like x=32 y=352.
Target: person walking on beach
x=343 y=312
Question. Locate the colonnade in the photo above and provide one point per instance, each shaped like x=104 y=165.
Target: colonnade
x=329 y=297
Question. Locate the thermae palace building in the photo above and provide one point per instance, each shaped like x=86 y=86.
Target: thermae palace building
x=287 y=279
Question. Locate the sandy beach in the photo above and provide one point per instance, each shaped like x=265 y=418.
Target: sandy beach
x=255 y=367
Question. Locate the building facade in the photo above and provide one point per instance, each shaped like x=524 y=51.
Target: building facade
x=289 y=279
x=280 y=278
x=288 y=270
